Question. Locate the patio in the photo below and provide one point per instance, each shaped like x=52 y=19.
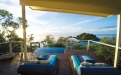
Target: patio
x=9 y=67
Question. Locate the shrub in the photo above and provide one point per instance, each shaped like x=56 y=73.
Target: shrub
x=108 y=53
x=78 y=46
x=56 y=45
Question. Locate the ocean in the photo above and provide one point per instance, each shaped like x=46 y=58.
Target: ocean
x=103 y=35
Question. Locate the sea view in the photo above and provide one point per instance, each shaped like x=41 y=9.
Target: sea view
x=85 y=43
x=99 y=36
x=103 y=35
x=61 y=50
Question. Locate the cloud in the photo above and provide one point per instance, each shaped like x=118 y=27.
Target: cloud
x=86 y=21
x=107 y=27
x=15 y=8
x=55 y=31
x=42 y=23
x=40 y=33
x=102 y=31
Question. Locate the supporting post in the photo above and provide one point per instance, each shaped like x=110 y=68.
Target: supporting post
x=67 y=44
x=10 y=46
x=118 y=41
x=24 y=32
x=88 y=45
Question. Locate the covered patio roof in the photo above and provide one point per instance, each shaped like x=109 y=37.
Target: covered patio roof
x=102 y=8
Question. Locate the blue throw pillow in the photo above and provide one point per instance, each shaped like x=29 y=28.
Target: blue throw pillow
x=100 y=64
x=44 y=61
x=86 y=64
x=87 y=58
x=42 y=57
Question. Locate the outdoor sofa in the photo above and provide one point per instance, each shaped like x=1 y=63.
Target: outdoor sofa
x=84 y=69
x=39 y=67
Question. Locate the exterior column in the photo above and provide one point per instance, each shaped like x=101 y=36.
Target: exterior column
x=118 y=40
x=24 y=32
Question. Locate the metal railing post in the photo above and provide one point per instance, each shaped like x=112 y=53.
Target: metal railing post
x=66 y=44
x=10 y=46
x=21 y=47
x=88 y=44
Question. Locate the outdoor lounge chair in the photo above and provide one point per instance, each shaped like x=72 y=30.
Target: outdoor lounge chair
x=39 y=68
x=7 y=56
x=79 y=69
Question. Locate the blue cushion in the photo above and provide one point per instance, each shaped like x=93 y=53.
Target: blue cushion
x=87 y=59
x=53 y=59
x=75 y=61
x=42 y=57
x=35 y=69
x=86 y=64
x=38 y=69
x=108 y=70
x=100 y=64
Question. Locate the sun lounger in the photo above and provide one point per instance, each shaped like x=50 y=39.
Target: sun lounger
x=80 y=69
x=39 y=67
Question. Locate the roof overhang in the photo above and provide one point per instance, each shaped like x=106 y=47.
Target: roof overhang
x=103 y=8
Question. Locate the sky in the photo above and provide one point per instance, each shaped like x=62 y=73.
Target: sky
x=42 y=23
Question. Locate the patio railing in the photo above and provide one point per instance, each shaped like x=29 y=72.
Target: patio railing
x=10 y=44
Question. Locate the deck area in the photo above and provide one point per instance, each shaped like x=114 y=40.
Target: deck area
x=9 y=67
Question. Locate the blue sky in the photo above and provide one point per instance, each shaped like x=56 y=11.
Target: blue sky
x=42 y=23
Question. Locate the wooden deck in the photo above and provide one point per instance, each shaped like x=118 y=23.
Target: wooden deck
x=9 y=67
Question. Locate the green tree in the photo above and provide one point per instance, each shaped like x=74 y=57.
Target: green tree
x=44 y=43
x=106 y=52
x=72 y=42
x=62 y=40
x=49 y=39
x=56 y=45
x=30 y=38
x=2 y=39
x=6 y=21
x=78 y=46
x=87 y=36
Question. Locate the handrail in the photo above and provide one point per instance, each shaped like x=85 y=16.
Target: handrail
x=3 y=42
x=101 y=43
x=17 y=41
x=10 y=45
x=11 y=41
x=105 y=44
